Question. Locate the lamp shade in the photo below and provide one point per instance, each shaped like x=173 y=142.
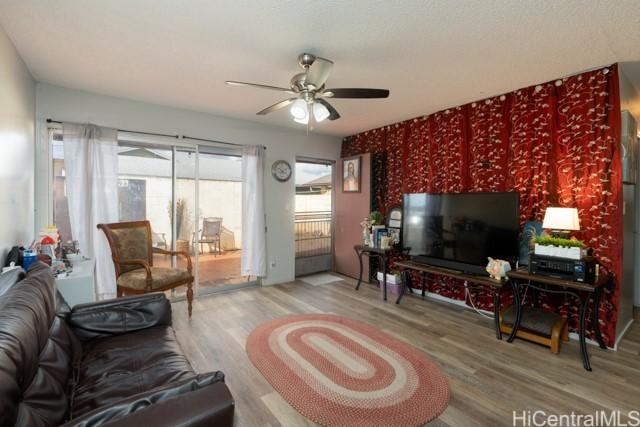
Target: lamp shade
x=561 y=219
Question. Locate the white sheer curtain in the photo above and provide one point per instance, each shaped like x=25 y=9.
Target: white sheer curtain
x=91 y=168
x=254 y=252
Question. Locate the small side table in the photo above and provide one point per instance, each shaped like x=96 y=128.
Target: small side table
x=383 y=256
x=584 y=292
x=77 y=287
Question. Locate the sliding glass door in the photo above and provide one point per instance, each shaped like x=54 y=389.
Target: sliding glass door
x=144 y=192
x=192 y=192
x=218 y=240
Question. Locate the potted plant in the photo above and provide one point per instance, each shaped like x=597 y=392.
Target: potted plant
x=558 y=247
x=376 y=218
x=182 y=224
x=377 y=222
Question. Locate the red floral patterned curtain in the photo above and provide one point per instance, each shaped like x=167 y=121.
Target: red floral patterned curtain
x=556 y=144
x=489 y=132
x=395 y=159
x=417 y=167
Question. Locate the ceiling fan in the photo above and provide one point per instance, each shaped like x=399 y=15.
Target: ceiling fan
x=309 y=102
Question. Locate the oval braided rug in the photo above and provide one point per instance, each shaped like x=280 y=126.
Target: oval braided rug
x=341 y=372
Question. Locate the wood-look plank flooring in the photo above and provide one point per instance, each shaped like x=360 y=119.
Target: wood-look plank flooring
x=488 y=378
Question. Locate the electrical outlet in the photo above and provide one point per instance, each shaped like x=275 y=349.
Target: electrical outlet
x=273 y=263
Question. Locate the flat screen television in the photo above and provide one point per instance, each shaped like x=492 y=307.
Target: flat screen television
x=460 y=231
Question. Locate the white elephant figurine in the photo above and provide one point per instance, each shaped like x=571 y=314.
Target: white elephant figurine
x=498 y=268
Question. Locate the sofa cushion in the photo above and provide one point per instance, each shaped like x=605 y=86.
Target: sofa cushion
x=162 y=405
x=119 y=316
x=117 y=367
x=37 y=353
x=137 y=279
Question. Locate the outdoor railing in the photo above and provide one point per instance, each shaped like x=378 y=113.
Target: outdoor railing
x=313 y=234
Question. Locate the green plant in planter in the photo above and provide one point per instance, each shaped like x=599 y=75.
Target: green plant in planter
x=376 y=218
x=183 y=221
x=557 y=241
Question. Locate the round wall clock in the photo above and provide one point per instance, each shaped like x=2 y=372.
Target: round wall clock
x=281 y=170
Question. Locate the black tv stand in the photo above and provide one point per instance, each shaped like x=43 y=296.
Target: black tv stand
x=448 y=270
x=469 y=281
x=456 y=266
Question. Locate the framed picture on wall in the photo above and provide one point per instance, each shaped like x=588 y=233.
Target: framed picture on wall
x=351 y=174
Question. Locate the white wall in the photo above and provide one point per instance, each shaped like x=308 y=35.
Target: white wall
x=77 y=106
x=17 y=110
x=314 y=202
x=630 y=101
x=630 y=94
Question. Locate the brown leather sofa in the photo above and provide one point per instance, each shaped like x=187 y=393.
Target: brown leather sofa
x=114 y=363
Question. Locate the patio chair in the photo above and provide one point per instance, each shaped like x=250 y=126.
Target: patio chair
x=132 y=253
x=159 y=240
x=210 y=234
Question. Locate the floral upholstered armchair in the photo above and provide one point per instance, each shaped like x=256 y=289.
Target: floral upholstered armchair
x=132 y=253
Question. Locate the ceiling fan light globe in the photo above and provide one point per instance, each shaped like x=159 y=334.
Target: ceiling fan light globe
x=299 y=109
x=320 y=112
x=302 y=121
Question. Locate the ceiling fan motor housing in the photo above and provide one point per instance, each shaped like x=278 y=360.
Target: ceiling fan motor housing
x=298 y=82
x=305 y=60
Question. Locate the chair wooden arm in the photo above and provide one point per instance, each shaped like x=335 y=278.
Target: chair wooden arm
x=142 y=263
x=181 y=253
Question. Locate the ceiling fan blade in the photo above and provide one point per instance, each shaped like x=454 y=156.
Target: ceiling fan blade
x=333 y=113
x=318 y=72
x=356 y=93
x=277 y=106
x=281 y=89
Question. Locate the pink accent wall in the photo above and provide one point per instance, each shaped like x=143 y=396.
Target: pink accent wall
x=351 y=208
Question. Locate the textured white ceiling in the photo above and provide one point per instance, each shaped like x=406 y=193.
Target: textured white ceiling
x=431 y=54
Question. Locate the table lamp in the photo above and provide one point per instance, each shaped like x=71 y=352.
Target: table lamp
x=561 y=221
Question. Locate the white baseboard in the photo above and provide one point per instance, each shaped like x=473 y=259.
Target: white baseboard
x=458 y=302
x=574 y=336
x=622 y=334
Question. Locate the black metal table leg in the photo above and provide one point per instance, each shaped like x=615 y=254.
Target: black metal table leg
x=423 y=275
x=384 y=276
x=496 y=313
x=583 y=343
x=403 y=285
x=517 y=302
x=359 y=253
x=595 y=323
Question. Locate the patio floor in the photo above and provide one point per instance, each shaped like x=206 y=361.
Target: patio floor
x=216 y=271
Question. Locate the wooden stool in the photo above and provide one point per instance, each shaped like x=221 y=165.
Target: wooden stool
x=537 y=326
